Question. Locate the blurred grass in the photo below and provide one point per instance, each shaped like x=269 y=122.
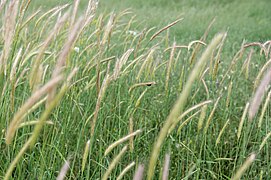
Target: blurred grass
x=245 y=19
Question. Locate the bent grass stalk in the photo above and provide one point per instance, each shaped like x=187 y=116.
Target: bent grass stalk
x=125 y=170
x=114 y=163
x=211 y=116
x=38 y=127
x=165 y=28
x=141 y=84
x=27 y=105
x=186 y=121
x=221 y=132
x=180 y=103
x=187 y=112
x=50 y=107
x=264 y=141
x=118 y=142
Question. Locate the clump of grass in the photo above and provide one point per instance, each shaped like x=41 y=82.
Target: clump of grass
x=94 y=72
x=180 y=103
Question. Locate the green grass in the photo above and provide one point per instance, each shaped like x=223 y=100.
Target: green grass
x=110 y=106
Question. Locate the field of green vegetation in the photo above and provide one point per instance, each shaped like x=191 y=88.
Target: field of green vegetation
x=136 y=89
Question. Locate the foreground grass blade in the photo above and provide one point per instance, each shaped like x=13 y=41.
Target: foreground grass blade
x=180 y=103
x=244 y=167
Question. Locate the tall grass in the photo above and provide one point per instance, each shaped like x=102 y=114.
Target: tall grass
x=80 y=87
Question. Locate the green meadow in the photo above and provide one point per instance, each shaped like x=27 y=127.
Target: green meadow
x=140 y=89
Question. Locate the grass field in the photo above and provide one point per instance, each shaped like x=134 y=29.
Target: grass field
x=135 y=89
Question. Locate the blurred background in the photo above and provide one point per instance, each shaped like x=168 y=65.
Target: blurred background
x=244 y=19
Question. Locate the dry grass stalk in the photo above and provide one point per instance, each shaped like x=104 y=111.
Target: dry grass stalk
x=2 y=4
x=264 y=109
x=29 y=19
x=181 y=80
x=186 y=121
x=74 y=13
x=195 y=42
x=258 y=96
x=248 y=63
x=187 y=112
x=165 y=28
x=45 y=14
x=180 y=103
x=14 y=66
x=260 y=74
x=240 y=127
x=139 y=173
x=98 y=103
x=114 y=163
x=202 y=117
x=131 y=129
x=221 y=132
x=27 y=105
x=64 y=55
x=229 y=95
x=146 y=61
x=91 y=9
x=108 y=29
x=244 y=167
x=64 y=170
x=140 y=39
x=166 y=167
x=176 y=47
x=211 y=115
x=12 y=77
x=206 y=88
x=264 y=141
x=139 y=99
x=125 y=170
x=9 y=28
x=50 y=107
x=217 y=58
x=141 y=84
x=203 y=38
x=169 y=65
x=257 y=44
x=120 y=62
x=86 y=151
x=36 y=64
x=237 y=56
x=30 y=123
x=118 y=142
